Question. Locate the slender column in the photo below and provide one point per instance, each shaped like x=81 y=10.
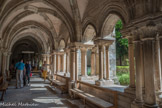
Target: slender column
x=139 y=73
x=63 y=69
x=79 y=62
x=104 y=63
x=52 y=66
x=64 y=62
x=48 y=61
x=59 y=60
x=76 y=64
x=157 y=65
x=93 y=63
x=161 y=58
x=72 y=64
x=131 y=63
x=142 y=65
x=97 y=62
x=84 y=61
x=54 y=63
x=72 y=69
x=107 y=64
x=0 y=61
x=60 y=63
x=66 y=69
x=4 y=60
x=150 y=98
x=8 y=63
x=100 y=49
x=68 y=63
x=57 y=65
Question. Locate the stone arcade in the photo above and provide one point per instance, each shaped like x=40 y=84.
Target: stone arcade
x=61 y=32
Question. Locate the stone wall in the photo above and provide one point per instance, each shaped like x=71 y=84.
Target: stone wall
x=79 y=62
x=124 y=100
x=112 y=56
x=112 y=60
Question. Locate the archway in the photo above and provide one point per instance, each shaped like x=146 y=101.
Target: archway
x=28 y=49
x=111 y=31
x=87 y=39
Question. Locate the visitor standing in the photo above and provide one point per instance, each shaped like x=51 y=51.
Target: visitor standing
x=28 y=71
x=20 y=66
x=44 y=67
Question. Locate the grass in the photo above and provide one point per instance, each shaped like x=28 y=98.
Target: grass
x=123 y=67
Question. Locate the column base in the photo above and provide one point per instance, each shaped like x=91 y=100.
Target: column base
x=104 y=82
x=71 y=86
x=137 y=104
x=83 y=78
x=90 y=78
x=67 y=74
x=150 y=106
x=159 y=99
x=130 y=90
x=116 y=80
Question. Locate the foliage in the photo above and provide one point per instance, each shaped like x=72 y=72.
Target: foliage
x=122 y=69
x=88 y=71
x=121 y=44
x=127 y=62
x=123 y=78
x=127 y=67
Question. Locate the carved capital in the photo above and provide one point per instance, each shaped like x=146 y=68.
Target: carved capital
x=149 y=32
x=83 y=50
x=146 y=32
x=5 y=53
x=94 y=49
x=159 y=29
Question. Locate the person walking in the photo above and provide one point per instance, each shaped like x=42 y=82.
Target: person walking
x=28 y=71
x=44 y=67
x=20 y=66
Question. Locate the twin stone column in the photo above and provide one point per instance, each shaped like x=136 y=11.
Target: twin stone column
x=4 y=64
x=101 y=43
x=148 y=70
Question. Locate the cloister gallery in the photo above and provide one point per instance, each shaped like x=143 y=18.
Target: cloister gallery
x=73 y=36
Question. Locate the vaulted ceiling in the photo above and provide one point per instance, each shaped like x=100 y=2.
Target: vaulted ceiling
x=50 y=21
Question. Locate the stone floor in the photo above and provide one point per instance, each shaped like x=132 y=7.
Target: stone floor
x=38 y=95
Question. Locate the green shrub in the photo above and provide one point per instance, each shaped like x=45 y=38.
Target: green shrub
x=124 y=79
x=127 y=62
x=122 y=69
x=88 y=71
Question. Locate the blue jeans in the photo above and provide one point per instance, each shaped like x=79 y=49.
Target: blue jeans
x=28 y=77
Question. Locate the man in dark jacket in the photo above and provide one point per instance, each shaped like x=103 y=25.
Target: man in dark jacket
x=28 y=71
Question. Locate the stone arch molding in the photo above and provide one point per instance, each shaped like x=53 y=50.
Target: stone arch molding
x=116 y=9
x=29 y=24
x=39 y=39
x=55 y=11
x=109 y=24
x=62 y=44
x=89 y=33
x=89 y=21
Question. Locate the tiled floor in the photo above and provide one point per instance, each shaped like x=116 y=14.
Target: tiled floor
x=37 y=95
